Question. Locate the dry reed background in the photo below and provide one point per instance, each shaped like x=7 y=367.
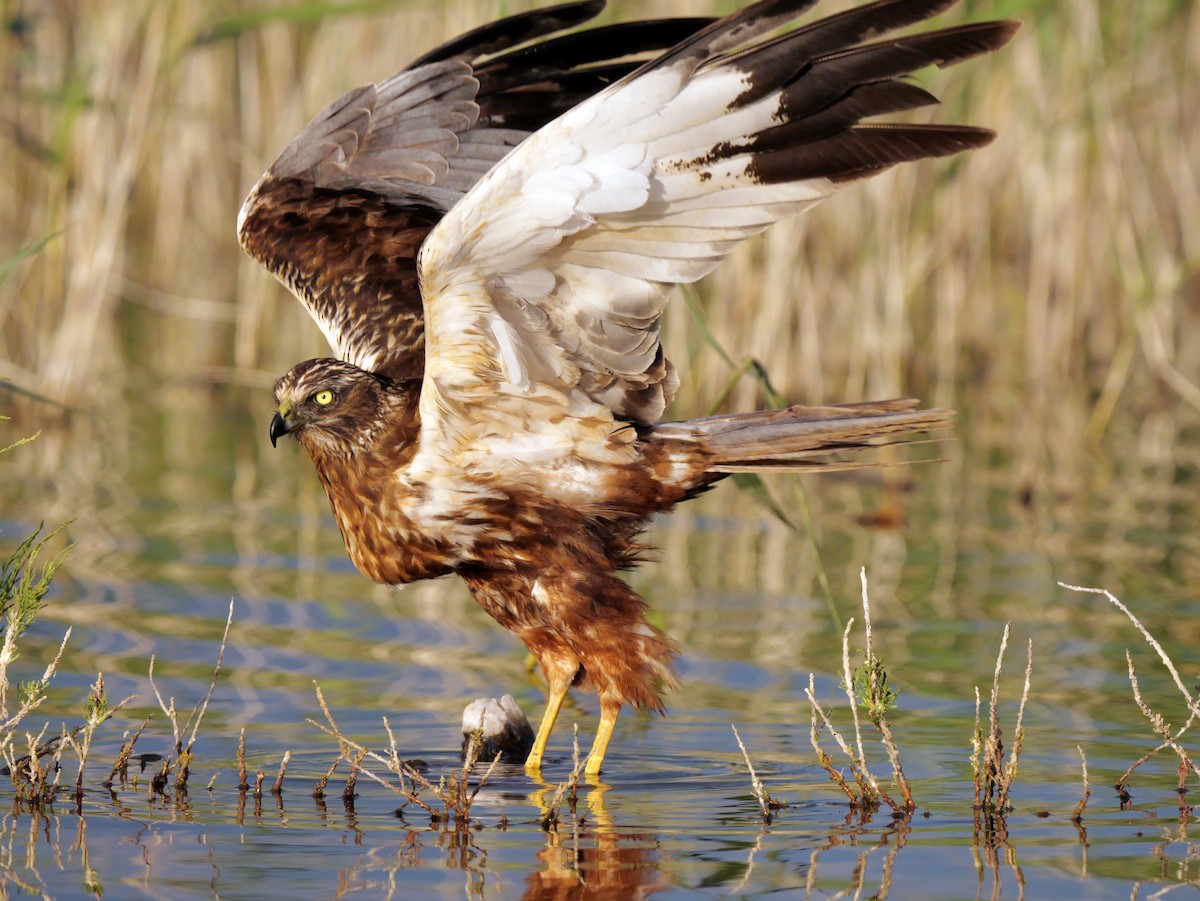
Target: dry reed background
x=1046 y=286
x=1064 y=256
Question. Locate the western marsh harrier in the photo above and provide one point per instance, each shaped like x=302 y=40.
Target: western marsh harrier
x=488 y=239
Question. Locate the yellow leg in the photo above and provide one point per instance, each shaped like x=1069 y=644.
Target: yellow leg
x=560 y=682
x=596 y=808
x=608 y=721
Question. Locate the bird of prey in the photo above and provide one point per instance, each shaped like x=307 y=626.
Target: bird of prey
x=488 y=239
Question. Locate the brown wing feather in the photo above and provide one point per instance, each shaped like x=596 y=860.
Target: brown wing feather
x=341 y=214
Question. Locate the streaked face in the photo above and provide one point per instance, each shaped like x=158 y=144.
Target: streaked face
x=331 y=407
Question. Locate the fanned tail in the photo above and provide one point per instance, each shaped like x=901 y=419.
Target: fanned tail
x=804 y=437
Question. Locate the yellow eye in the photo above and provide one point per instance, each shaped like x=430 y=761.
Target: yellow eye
x=324 y=398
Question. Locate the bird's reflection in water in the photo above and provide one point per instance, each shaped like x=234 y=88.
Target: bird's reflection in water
x=586 y=856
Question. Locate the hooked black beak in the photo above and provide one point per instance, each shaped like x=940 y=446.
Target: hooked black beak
x=279 y=428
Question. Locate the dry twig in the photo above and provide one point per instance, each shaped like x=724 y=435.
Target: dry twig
x=277 y=788
x=243 y=775
x=1170 y=736
x=352 y=750
x=766 y=804
x=550 y=817
x=993 y=777
x=120 y=767
x=1077 y=817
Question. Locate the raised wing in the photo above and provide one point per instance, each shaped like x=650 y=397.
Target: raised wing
x=340 y=215
x=548 y=280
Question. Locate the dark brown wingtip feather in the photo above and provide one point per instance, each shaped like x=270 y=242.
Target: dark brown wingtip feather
x=951 y=46
x=794 y=55
x=600 y=44
x=513 y=30
x=826 y=89
x=863 y=23
x=864 y=150
x=875 y=99
x=527 y=87
x=809 y=83
x=737 y=28
x=838 y=32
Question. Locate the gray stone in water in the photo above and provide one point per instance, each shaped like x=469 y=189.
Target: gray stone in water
x=505 y=729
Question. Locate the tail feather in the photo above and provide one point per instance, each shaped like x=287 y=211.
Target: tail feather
x=804 y=437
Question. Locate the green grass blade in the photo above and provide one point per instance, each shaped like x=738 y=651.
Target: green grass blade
x=6 y=385
x=8 y=266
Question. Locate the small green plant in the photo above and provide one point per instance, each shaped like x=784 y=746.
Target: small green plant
x=866 y=687
x=23 y=585
x=24 y=582
x=95 y=711
x=872 y=690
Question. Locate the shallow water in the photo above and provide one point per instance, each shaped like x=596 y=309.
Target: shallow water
x=181 y=505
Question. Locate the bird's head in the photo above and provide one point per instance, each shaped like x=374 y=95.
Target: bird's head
x=333 y=408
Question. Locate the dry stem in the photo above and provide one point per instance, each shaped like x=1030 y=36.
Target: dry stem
x=765 y=802
x=121 y=766
x=859 y=759
x=36 y=697
x=1010 y=768
x=825 y=760
x=243 y=775
x=277 y=788
x=1169 y=736
x=550 y=818
x=352 y=751
x=1158 y=724
x=881 y=722
x=1153 y=642
x=1077 y=817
